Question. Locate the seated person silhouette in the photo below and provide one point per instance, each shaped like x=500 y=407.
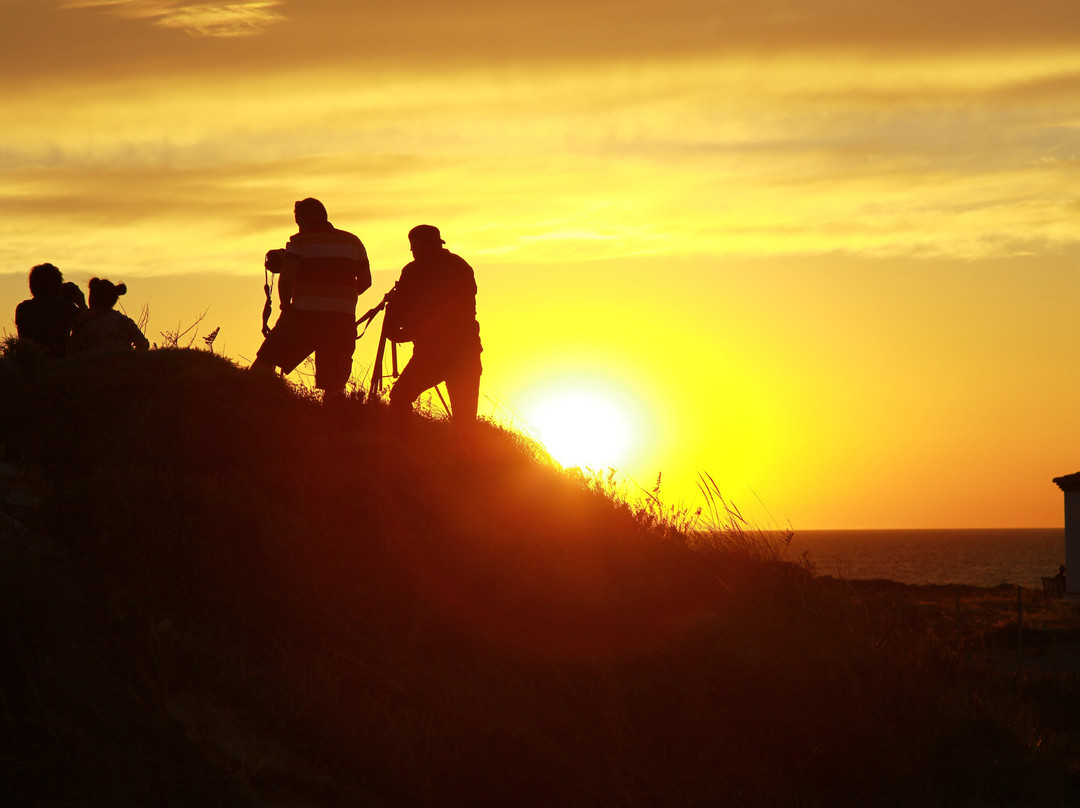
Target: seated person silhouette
x=47 y=317
x=433 y=306
x=101 y=328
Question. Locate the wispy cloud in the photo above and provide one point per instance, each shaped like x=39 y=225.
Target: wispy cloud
x=196 y=19
x=721 y=157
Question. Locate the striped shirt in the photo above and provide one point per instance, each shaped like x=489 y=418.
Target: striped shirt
x=327 y=268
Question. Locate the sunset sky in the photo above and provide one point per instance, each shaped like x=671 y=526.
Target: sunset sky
x=826 y=251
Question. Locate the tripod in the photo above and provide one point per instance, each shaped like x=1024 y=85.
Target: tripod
x=377 y=374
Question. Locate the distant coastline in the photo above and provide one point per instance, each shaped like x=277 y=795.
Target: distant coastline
x=984 y=557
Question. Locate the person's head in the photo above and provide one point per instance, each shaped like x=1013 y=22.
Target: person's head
x=309 y=212
x=425 y=238
x=1061 y=569
x=46 y=281
x=104 y=294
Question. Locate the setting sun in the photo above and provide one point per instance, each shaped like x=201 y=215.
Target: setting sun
x=582 y=428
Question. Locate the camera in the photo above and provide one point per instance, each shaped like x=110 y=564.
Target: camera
x=73 y=294
x=274 y=261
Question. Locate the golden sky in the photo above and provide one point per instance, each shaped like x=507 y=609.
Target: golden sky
x=824 y=250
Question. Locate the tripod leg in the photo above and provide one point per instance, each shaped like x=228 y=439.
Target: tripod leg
x=446 y=406
x=376 y=374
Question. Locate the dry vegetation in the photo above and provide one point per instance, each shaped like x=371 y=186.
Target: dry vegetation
x=214 y=593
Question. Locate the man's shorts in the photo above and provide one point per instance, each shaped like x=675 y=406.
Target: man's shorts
x=330 y=335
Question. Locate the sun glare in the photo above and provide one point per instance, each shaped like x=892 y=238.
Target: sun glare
x=582 y=428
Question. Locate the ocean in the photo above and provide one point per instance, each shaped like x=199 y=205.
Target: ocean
x=977 y=557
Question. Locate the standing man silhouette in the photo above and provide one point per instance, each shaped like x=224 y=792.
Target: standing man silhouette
x=323 y=272
x=434 y=307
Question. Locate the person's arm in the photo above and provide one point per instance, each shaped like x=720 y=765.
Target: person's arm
x=399 y=308
x=363 y=271
x=286 y=282
x=463 y=296
x=134 y=336
x=73 y=294
x=290 y=265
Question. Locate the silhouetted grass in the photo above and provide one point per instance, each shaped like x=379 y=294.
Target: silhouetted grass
x=233 y=597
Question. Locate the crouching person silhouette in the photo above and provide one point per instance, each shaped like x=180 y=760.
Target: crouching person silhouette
x=47 y=317
x=101 y=328
x=323 y=272
x=434 y=307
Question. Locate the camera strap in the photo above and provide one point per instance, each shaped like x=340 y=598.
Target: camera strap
x=268 y=306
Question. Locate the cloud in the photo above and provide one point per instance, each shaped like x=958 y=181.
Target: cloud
x=427 y=32
x=196 y=19
x=89 y=40
x=960 y=154
x=712 y=156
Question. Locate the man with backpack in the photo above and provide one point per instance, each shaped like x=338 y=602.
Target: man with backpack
x=434 y=306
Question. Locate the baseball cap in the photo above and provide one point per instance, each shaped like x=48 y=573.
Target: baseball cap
x=425 y=234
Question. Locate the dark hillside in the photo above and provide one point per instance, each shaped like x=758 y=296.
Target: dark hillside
x=215 y=593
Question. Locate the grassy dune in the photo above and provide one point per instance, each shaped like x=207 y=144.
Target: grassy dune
x=212 y=592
